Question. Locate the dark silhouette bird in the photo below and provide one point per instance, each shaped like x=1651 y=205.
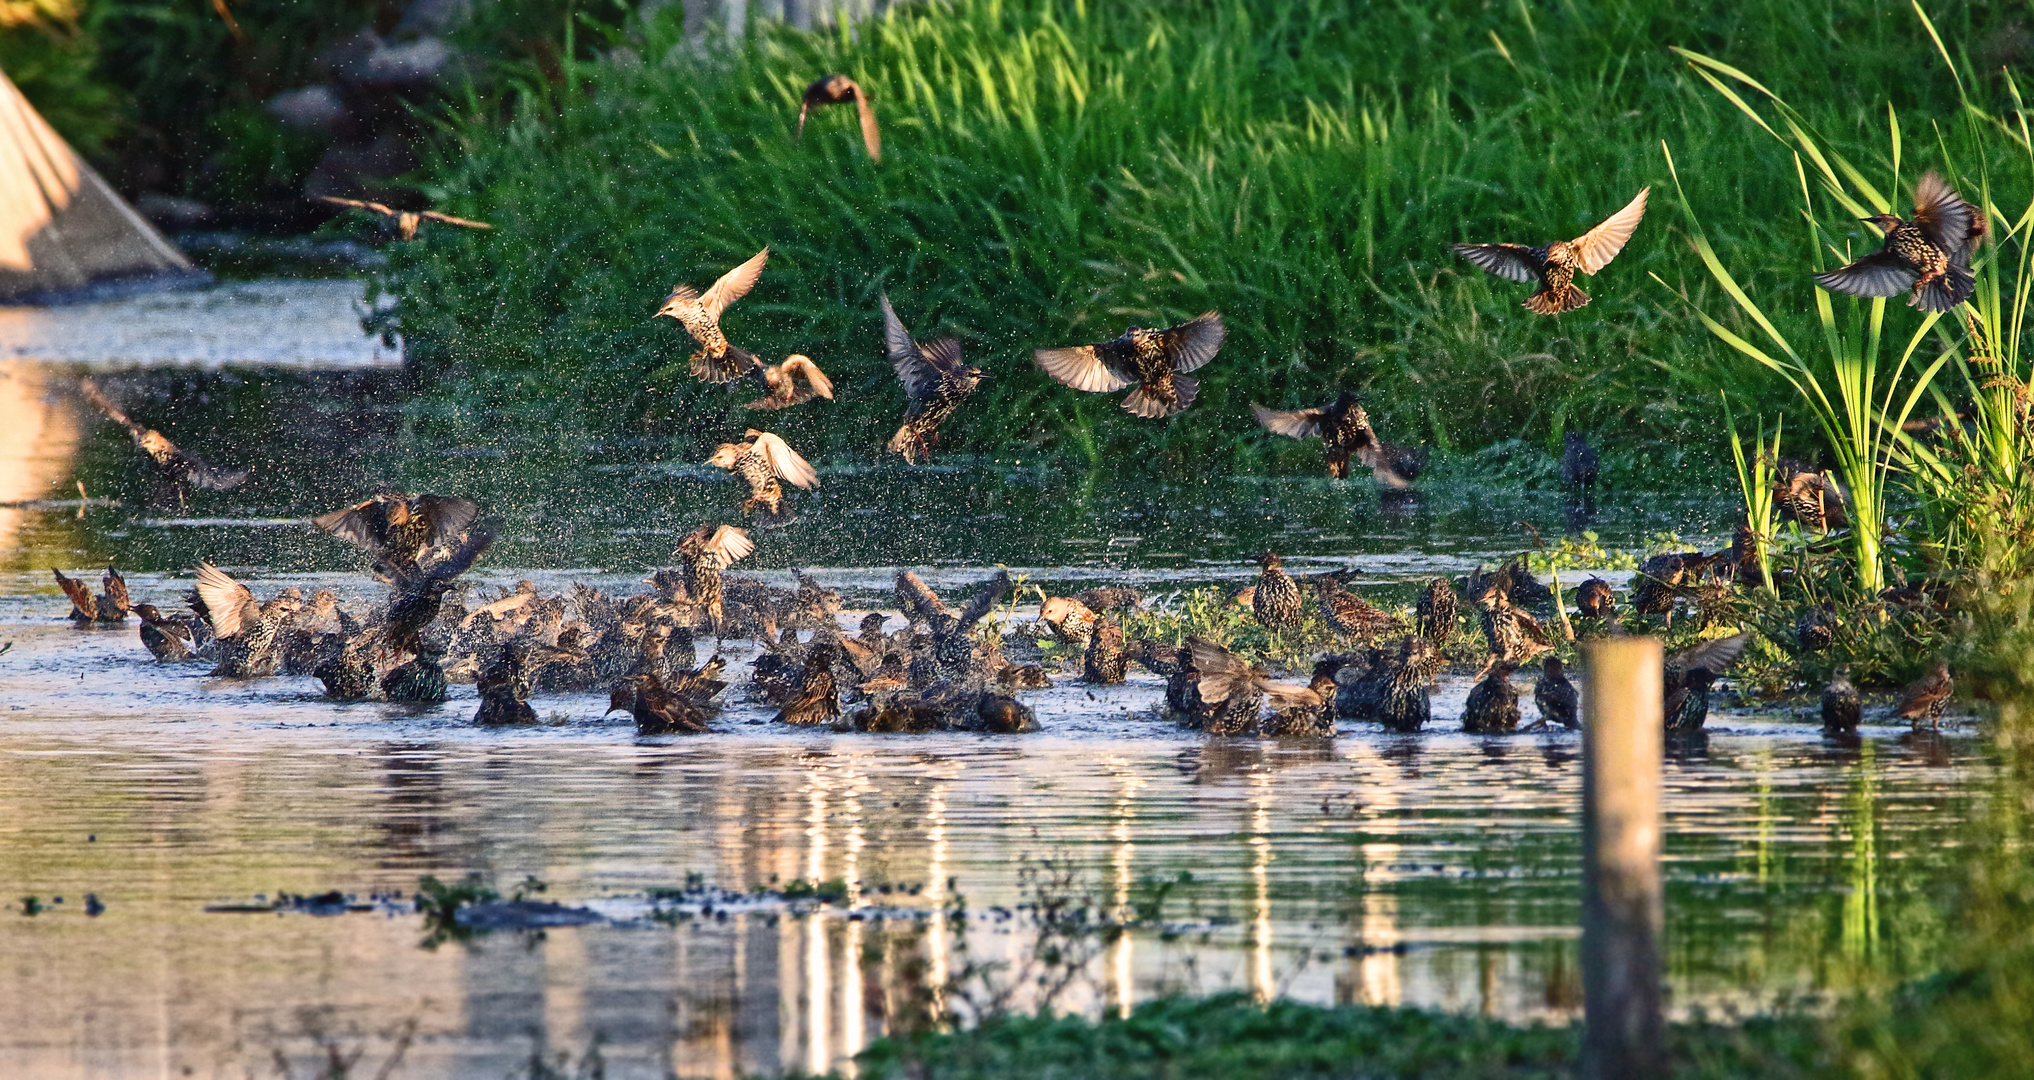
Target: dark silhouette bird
x=168 y=639
x=707 y=551
x=1156 y=361
x=1924 y=698
x=838 y=89
x=717 y=361
x=1555 y=265
x=171 y=464
x=1808 y=495
x=1277 y=603
x=762 y=462
x=935 y=383
x=406 y=222
x=1159 y=658
x=1579 y=463
x=816 y=697
x=1492 y=708
x=1394 y=467
x=1815 y=630
x=1664 y=578
x=1351 y=615
x=781 y=383
x=109 y=607
x=1434 y=614
x=1594 y=599
x=347 y=662
x=505 y=689
x=250 y=634
x=1556 y=696
x=953 y=653
x=1841 y=705
x=1342 y=424
x=1928 y=257
x=1688 y=676
x=398 y=531
x=419 y=596
x=657 y=709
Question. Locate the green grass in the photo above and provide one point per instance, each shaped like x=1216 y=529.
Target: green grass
x=1054 y=171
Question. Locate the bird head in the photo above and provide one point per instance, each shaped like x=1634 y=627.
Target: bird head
x=1348 y=398
x=623 y=697
x=148 y=613
x=1885 y=222
x=672 y=304
x=725 y=456
x=1551 y=667
x=1267 y=560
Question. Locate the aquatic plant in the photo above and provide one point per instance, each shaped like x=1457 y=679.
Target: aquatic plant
x=1755 y=478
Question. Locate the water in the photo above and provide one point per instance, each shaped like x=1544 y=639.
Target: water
x=1438 y=870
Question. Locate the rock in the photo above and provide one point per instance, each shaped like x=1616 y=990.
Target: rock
x=410 y=63
x=314 y=108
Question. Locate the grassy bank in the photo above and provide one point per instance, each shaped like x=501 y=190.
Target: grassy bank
x=1054 y=171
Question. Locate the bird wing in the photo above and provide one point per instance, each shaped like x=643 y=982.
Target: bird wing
x=1292 y=696
x=914 y=367
x=872 y=136
x=733 y=285
x=1297 y=424
x=804 y=367
x=1714 y=656
x=730 y=543
x=1222 y=673
x=357 y=204
x=364 y=525
x=105 y=405
x=116 y=589
x=985 y=599
x=462 y=557
x=785 y=462
x=1193 y=343
x=917 y=599
x=1083 y=367
x=79 y=592
x=1879 y=274
x=206 y=475
x=1595 y=248
x=449 y=516
x=231 y=604
x=433 y=215
x=1512 y=262
x=1943 y=216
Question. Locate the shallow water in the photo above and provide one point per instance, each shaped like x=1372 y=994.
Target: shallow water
x=1436 y=870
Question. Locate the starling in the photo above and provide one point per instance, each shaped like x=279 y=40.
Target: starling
x=348 y=671
x=406 y=222
x=1689 y=674
x=935 y=381
x=1924 y=698
x=781 y=388
x=1103 y=665
x=167 y=639
x=1492 y=708
x=1929 y=257
x=250 y=634
x=1595 y=600
x=1341 y=424
x=1815 y=630
x=505 y=689
x=110 y=606
x=1159 y=658
x=1155 y=360
x=707 y=551
x=1361 y=697
x=657 y=710
x=1556 y=696
x=419 y=597
x=1662 y=578
x=816 y=698
x=1556 y=265
x=1405 y=706
x=838 y=89
x=1304 y=714
x=1513 y=635
x=400 y=531
x=1232 y=691
x=762 y=462
x=1392 y=467
x=1740 y=561
x=1525 y=590
x=1000 y=714
x=1809 y=496
x=953 y=636
x=172 y=465
x=716 y=361
x=1579 y=463
x=1841 y=705
x=1277 y=602
x=1110 y=598
x=1434 y=615
x=1351 y=615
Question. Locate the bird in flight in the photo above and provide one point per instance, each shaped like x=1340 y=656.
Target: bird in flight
x=171 y=463
x=717 y=361
x=781 y=388
x=934 y=379
x=838 y=89
x=1555 y=265
x=1928 y=258
x=1155 y=360
x=407 y=222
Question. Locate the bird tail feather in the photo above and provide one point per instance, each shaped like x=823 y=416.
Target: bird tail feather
x=1556 y=301
x=1949 y=289
x=905 y=442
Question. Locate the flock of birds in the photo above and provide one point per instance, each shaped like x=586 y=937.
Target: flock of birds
x=944 y=670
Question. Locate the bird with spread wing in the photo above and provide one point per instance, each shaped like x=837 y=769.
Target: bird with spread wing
x=1928 y=258
x=935 y=380
x=1156 y=361
x=1555 y=265
x=717 y=361
x=407 y=222
x=838 y=89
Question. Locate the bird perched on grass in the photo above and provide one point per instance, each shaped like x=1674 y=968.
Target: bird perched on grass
x=505 y=689
x=1815 y=629
x=762 y=461
x=1556 y=696
x=717 y=361
x=781 y=383
x=707 y=551
x=935 y=383
x=1662 y=578
x=109 y=607
x=400 y=531
x=1434 y=613
x=838 y=89
x=250 y=634
x=172 y=465
x=1342 y=425
x=1492 y=708
x=1688 y=676
x=1841 y=705
x=815 y=699
x=1808 y=495
x=1555 y=265
x=1351 y=615
x=1928 y=258
x=1156 y=361
x=1579 y=463
x=406 y=222
x=1277 y=603
x=1594 y=599
x=1924 y=698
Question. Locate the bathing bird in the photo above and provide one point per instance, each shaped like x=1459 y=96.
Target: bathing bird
x=1928 y=258
x=171 y=463
x=505 y=689
x=1156 y=361
x=1841 y=705
x=1555 y=265
x=1688 y=676
x=1594 y=599
x=935 y=383
x=1277 y=603
x=706 y=552
x=782 y=383
x=1492 y=708
x=1404 y=705
x=717 y=361
x=838 y=89
x=1924 y=698
x=110 y=606
x=763 y=461
x=1556 y=696
x=1105 y=660
x=815 y=698
x=1434 y=614
x=400 y=531
x=1664 y=577
x=406 y=222
x=168 y=638
x=250 y=634
x=1514 y=636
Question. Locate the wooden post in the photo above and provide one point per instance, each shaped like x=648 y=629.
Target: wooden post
x=1624 y=1036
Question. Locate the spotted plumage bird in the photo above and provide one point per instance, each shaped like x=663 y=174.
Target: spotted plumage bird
x=1072 y=622
x=1924 y=698
x=1351 y=615
x=1664 y=578
x=1556 y=696
x=1815 y=629
x=250 y=634
x=1156 y=361
x=1928 y=258
x=1405 y=706
x=816 y=697
x=1841 y=705
x=794 y=382
x=762 y=462
x=1342 y=425
x=172 y=465
x=1555 y=265
x=707 y=551
x=935 y=383
x=406 y=222
x=717 y=361
x=656 y=708
x=1434 y=614
x=1277 y=603
x=1808 y=495
x=1514 y=636
x=400 y=531
x=504 y=687
x=1594 y=599
x=1231 y=690
x=1104 y=663
x=1492 y=707
x=1688 y=676
x=108 y=608
x=838 y=89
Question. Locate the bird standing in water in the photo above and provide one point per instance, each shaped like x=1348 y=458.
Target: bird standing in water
x=707 y=551
x=505 y=689
x=762 y=462
x=935 y=381
x=1924 y=698
x=167 y=638
x=406 y=222
x=1155 y=360
x=1492 y=708
x=1434 y=614
x=1928 y=258
x=1277 y=603
x=399 y=531
x=781 y=388
x=1555 y=265
x=1841 y=705
x=717 y=361
x=172 y=465
x=1689 y=674
x=110 y=606
x=1556 y=696
x=816 y=698
x=1595 y=600
x=250 y=635
x=1342 y=424
x=838 y=89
